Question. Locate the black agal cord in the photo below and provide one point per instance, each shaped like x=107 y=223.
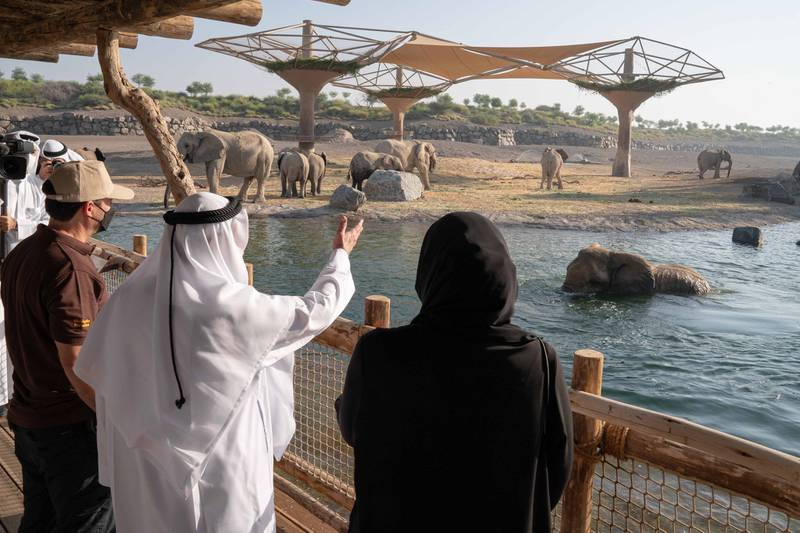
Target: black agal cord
x=174 y=218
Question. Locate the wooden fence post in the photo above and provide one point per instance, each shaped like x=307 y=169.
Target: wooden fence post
x=377 y=311
x=249 y=273
x=140 y=244
x=576 y=510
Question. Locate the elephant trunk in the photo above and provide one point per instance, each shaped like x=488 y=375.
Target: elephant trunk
x=432 y=166
x=679 y=279
x=730 y=166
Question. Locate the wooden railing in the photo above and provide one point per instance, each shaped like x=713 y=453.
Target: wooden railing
x=604 y=428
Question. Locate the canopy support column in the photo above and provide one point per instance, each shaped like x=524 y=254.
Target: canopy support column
x=147 y=111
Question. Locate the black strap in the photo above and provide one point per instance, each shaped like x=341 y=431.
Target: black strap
x=546 y=385
x=174 y=218
x=181 y=399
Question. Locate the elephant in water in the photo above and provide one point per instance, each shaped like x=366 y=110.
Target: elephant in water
x=413 y=154
x=709 y=159
x=293 y=166
x=364 y=164
x=599 y=270
x=552 y=161
x=248 y=154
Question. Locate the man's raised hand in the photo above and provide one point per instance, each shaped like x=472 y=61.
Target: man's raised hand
x=347 y=239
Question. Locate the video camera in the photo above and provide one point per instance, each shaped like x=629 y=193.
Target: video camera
x=14 y=157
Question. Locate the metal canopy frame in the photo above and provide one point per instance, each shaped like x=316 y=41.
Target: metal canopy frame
x=379 y=77
x=323 y=42
x=667 y=64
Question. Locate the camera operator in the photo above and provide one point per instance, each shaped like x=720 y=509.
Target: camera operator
x=53 y=292
x=24 y=199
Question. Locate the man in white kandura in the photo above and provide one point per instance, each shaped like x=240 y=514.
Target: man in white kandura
x=24 y=211
x=192 y=371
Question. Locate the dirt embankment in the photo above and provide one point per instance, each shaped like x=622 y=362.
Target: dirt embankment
x=666 y=191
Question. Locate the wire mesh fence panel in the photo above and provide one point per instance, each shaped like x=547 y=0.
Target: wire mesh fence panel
x=317 y=447
x=114 y=279
x=632 y=495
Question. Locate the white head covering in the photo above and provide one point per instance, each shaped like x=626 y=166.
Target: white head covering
x=33 y=158
x=223 y=333
x=52 y=149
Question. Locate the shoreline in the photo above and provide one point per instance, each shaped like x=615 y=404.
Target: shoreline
x=649 y=223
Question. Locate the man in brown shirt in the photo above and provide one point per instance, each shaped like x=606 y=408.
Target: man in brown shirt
x=52 y=293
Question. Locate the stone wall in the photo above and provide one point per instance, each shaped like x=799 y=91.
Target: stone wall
x=83 y=124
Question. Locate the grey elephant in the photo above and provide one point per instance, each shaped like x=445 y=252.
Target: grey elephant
x=552 y=161
x=709 y=159
x=293 y=166
x=317 y=166
x=413 y=154
x=599 y=270
x=364 y=164
x=248 y=154
x=796 y=173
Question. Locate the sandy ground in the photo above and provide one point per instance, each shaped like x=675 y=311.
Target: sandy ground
x=483 y=179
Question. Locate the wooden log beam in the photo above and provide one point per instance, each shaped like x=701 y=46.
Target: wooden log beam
x=107 y=14
x=335 y=2
x=247 y=12
x=126 y=40
x=181 y=27
x=147 y=111
x=726 y=447
x=46 y=57
x=74 y=49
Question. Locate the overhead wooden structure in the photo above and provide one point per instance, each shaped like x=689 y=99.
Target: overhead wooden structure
x=308 y=56
x=42 y=30
x=397 y=87
x=629 y=72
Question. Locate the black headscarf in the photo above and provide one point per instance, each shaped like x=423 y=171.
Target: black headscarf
x=467 y=281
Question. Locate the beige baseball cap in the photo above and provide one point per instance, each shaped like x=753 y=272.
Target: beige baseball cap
x=84 y=181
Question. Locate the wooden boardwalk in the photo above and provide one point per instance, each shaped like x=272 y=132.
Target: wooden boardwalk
x=292 y=517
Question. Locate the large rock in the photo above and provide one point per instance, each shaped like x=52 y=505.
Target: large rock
x=775 y=191
x=339 y=136
x=347 y=198
x=393 y=186
x=749 y=235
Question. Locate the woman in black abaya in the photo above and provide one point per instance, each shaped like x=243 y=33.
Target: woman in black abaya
x=459 y=421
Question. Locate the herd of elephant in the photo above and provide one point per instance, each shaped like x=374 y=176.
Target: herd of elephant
x=249 y=155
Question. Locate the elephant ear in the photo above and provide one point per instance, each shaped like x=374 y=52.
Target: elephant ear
x=630 y=274
x=324 y=157
x=209 y=148
x=280 y=158
x=563 y=154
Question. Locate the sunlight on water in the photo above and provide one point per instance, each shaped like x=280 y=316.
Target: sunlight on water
x=729 y=360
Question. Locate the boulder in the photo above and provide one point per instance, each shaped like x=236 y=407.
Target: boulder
x=772 y=192
x=338 y=136
x=748 y=235
x=393 y=186
x=347 y=198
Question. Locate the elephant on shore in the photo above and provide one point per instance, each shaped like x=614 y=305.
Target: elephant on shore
x=293 y=166
x=599 y=270
x=709 y=159
x=247 y=154
x=364 y=164
x=412 y=154
x=317 y=166
x=552 y=161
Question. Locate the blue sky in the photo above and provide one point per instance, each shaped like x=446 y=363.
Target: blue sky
x=754 y=43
